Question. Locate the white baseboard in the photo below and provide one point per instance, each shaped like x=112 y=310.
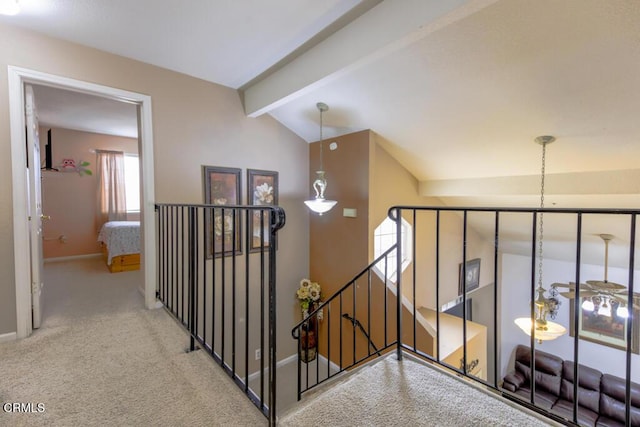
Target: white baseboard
x=293 y=359
x=11 y=336
x=72 y=258
x=280 y=364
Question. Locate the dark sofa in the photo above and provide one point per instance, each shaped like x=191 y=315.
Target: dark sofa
x=601 y=397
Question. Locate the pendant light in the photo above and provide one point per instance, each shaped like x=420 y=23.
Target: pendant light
x=9 y=7
x=319 y=204
x=542 y=329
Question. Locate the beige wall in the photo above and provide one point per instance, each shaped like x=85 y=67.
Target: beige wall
x=392 y=184
x=338 y=243
x=70 y=198
x=194 y=123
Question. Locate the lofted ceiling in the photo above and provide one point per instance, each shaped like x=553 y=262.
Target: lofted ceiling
x=455 y=90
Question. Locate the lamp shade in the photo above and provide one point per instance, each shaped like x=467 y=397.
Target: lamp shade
x=320 y=206
x=550 y=331
x=9 y=7
x=622 y=311
x=588 y=305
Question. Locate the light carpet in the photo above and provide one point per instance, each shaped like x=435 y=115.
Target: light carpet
x=117 y=365
x=405 y=393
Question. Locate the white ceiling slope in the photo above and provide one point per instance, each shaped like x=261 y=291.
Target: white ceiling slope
x=456 y=90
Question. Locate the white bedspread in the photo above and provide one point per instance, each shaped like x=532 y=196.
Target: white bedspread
x=121 y=238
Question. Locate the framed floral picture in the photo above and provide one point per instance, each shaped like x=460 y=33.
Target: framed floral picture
x=223 y=226
x=262 y=190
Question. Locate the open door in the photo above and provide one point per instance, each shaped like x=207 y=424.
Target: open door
x=35 y=205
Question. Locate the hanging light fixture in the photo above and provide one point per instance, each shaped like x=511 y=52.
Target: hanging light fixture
x=541 y=328
x=601 y=296
x=319 y=204
x=9 y=7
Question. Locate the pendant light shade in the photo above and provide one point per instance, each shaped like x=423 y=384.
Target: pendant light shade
x=9 y=7
x=319 y=204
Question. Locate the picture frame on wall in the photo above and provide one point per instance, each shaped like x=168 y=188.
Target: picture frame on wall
x=472 y=279
x=602 y=329
x=262 y=190
x=223 y=226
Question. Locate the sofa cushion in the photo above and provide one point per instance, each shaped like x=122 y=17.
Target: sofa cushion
x=612 y=401
x=548 y=369
x=588 y=394
x=543 y=398
x=564 y=408
x=588 y=385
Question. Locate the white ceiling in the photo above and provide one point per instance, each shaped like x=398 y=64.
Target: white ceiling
x=74 y=110
x=457 y=90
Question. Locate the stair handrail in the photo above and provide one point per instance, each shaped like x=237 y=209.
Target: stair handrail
x=341 y=290
x=357 y=323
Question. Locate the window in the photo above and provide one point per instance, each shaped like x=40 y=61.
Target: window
x=384 y=236
x=132 y=182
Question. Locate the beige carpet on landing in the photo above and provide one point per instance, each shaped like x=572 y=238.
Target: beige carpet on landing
x=102 y=359
x=406 y=393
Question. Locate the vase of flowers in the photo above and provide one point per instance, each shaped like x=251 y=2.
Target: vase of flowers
x=309 y=295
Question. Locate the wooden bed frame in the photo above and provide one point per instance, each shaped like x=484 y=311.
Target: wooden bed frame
x=121 y=263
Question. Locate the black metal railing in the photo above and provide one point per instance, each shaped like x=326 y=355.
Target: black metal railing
x=217 y=277
x=367 y=295
x=407 y=312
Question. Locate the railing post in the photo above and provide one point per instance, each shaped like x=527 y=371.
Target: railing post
x=630 y=323
x=399 y=243
x=192 y=278
x=277 y=220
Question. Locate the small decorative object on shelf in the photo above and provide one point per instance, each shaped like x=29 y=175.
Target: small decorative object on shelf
x=309 y=294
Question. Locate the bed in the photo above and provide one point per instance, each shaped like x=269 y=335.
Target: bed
x=120 y=241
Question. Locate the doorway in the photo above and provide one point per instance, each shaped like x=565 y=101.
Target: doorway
x=18 y=78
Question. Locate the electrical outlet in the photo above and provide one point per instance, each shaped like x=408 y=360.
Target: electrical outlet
x=258 y=354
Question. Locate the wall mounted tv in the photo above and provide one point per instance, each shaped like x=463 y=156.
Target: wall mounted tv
x=47 y=154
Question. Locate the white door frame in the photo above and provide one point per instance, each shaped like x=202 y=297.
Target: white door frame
x=17 y=79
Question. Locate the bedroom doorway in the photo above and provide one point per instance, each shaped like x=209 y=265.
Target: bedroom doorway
x=18 y=78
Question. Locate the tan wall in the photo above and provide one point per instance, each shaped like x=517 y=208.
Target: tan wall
x=194 y=123
x=339 y=244
x=70 y=198
x=392 y=184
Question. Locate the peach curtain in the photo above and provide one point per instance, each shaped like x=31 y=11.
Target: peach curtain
x=111 y=187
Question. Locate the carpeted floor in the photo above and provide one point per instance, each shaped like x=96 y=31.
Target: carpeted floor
x=405 y=393
x=101 y=359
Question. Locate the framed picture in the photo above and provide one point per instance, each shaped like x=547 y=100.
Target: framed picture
x=262 y=190
x=472 y=279
x=222 y=187
x=603 y=329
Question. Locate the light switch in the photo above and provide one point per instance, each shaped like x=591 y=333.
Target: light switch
x=350 y=212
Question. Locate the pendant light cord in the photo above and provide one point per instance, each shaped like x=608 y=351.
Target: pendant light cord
x=541 y=221
x=321 y=166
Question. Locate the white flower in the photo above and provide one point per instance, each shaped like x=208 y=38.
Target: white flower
x=305 y=283
x=220 y=201
x=309 y=294
x=303 y=293
x=263 y=194
x=228 y=225
x=314 y=291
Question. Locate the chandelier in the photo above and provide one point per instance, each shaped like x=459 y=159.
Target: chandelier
x=602 y=297
x=539 y=326
x=319 y=204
